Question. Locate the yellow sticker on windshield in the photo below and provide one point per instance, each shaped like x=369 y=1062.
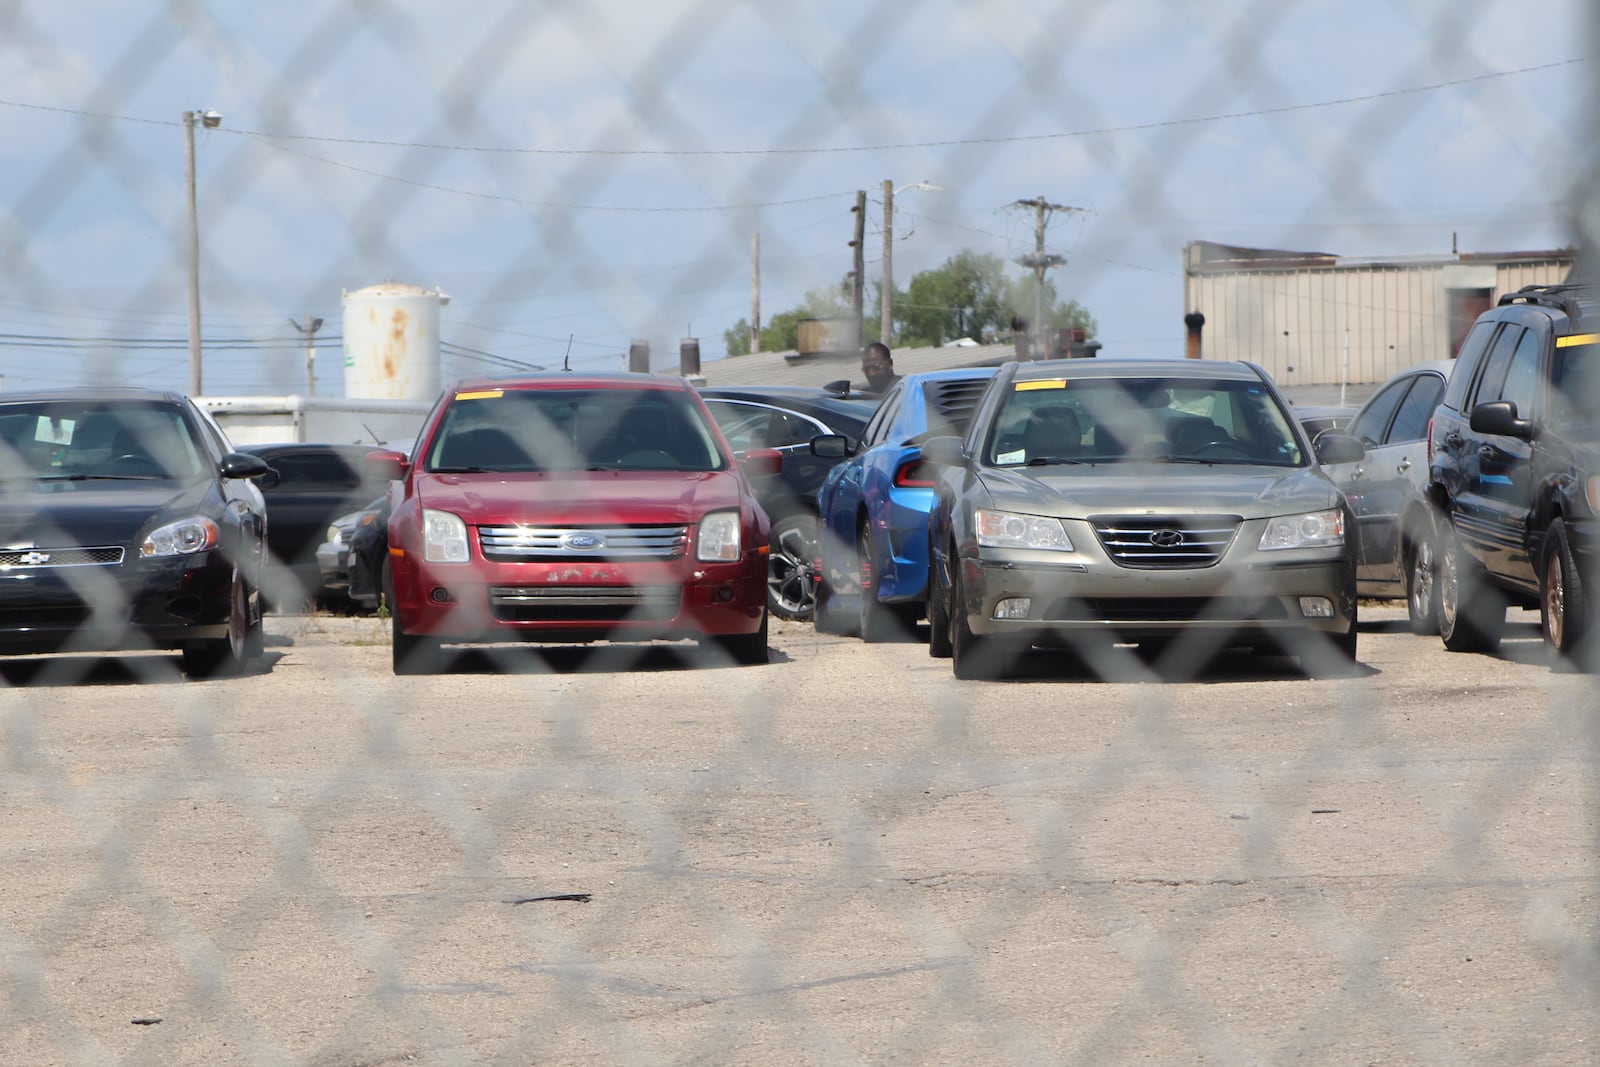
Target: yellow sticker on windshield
x=482 y=394
x=1577 y=339
x=1048 y=383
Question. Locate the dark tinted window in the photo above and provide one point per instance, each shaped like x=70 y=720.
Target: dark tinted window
x=1467 y=362
x=1374 y=418
x=878 y=428
x=1575 y=380
x=302 y=471
x=1522 y=378
x=1495 y=366
x=1411 y=421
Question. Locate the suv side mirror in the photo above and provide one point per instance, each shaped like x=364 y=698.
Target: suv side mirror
x=944 y=452
x=244 y=465
x=1500 y=417
x=1339 y=448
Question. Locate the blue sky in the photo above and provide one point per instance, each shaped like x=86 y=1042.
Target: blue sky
x=593 y=173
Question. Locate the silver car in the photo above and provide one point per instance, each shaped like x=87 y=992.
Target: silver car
x=1107 y=501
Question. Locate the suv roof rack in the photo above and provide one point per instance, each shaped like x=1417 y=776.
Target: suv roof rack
x=1558 y=296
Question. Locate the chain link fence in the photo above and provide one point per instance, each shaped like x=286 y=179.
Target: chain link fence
x=605 y=857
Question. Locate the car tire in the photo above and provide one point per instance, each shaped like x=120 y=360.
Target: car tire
x=228 y=655
x=1421 y=571
x=747 y=650
x=973 y=658
x=1563 y=602
x=1472 y=613
x=791 y=583
x=938 y=611
x=877 y=621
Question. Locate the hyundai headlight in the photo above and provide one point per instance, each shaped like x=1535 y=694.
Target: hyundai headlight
x=182 y=538
x=1317 y=529
x=717 y=540
x=444 y=537
x=1007 y=529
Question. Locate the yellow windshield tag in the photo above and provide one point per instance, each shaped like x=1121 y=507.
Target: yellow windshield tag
x=1048 y=383
x=1577 y=339
x=482 y=394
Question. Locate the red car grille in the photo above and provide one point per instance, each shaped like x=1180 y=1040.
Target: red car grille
x=514 y=544
x=584 y=604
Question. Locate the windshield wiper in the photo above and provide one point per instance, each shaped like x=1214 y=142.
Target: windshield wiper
x=1050 y=461
x=98 y=477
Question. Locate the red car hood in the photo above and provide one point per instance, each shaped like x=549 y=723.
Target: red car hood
x=579 y=498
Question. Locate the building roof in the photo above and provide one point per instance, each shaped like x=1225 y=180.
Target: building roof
x=791 y=368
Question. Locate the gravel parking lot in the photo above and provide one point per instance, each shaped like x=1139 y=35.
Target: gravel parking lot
x=844 y=856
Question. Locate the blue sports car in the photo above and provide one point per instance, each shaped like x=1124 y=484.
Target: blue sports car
x=872 y=570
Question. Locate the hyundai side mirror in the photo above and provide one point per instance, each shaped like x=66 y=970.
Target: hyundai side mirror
x=1339 y=448
x=944 y=451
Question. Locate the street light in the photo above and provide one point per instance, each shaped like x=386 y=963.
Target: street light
x=210 y=120
x=886 y=307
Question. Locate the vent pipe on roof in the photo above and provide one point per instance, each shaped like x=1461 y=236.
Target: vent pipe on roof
x=1194 y=321
x=639 y=357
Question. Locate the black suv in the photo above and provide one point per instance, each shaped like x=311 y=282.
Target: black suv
x=1514 y=472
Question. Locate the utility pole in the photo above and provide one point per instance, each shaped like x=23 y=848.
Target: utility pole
x=886 y=325
x=210 y=120
x=1040 y=261
x=858 y=270
x=755 y=293
x=310 y=329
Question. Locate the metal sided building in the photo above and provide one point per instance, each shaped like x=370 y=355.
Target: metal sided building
x=1311 y=318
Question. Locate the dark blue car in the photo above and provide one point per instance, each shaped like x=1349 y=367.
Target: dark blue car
x=872 y=570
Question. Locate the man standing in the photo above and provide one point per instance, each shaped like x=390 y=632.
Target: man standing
x=878 y=366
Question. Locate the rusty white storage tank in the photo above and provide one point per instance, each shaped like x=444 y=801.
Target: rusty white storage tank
x=391 y=342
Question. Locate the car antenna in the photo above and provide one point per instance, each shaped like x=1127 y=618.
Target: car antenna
x=375 y=438
x=566 y=361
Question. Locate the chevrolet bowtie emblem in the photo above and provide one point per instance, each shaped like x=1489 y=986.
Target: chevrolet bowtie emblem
x=33 y=559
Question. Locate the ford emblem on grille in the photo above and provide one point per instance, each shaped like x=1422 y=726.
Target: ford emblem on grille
x=583 y=540
x=1166 y=537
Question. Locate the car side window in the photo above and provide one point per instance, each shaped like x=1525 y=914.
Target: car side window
x=883 y=418
x=1411 y=420
x=1522 y=377
x=315 y=470
x=1467 y=362
x=1374 y=418
x=744 y=425
x=789 y=429
x=1495 y=366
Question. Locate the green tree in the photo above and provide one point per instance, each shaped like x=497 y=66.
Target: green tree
x=781 y=333
x=971 y=295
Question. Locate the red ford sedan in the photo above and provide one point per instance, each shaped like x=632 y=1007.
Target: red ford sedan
x=568 y=508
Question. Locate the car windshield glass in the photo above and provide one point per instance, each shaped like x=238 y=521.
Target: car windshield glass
x=75 y=440
x=1575 y=378
x=1143 y=420
x=565 y=429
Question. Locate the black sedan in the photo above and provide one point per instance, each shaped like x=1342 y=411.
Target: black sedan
x=787 y=418
x=316 y=483
x=128 y=522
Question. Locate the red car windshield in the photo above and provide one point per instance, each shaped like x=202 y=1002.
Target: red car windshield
x=567 y=429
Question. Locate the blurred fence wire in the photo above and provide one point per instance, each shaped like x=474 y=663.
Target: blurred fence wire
x=616 y=860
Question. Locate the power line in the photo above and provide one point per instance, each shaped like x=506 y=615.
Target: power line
x=834 y=149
